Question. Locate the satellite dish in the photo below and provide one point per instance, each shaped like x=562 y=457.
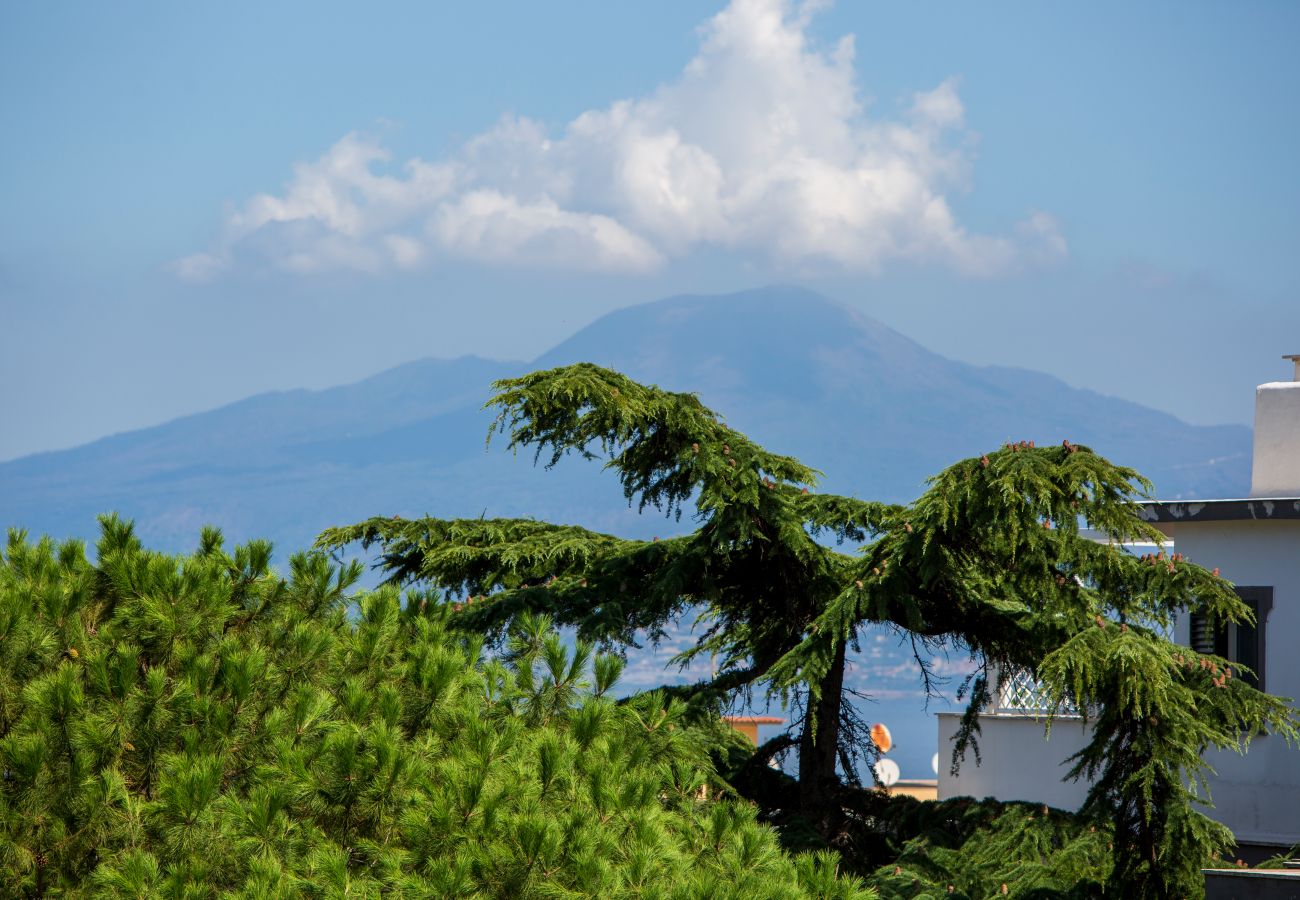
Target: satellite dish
x=881 y=737
x=886 y=771
x=934 y=763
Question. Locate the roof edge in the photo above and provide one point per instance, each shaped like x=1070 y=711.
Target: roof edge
x=1234 y=510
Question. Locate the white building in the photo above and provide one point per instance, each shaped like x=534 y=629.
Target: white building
x=1255 y=542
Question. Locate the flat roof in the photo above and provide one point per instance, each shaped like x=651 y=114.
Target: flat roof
x=1241 y=510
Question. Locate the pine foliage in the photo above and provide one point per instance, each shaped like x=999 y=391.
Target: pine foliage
x=199 y=726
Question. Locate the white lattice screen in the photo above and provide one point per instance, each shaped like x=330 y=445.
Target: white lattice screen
x=1020 y=692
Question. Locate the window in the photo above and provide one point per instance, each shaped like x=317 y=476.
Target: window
x=1238 y=643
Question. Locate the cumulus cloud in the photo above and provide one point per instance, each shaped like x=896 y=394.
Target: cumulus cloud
x=761 y=145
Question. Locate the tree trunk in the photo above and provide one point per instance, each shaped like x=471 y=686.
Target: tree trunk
x=818 y=745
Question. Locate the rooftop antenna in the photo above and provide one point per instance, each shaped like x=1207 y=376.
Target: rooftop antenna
x=886 y=772
x=1295 y=358
x=881 y=737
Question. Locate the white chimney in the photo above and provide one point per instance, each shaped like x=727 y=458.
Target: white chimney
x=1276 y=469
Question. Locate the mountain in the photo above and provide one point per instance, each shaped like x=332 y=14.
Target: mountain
x=874 y=410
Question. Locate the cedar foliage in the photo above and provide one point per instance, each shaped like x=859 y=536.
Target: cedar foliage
x=989 y=560
x=966 y=849
x=963 y=848
x=755 y=562
x=198 y=726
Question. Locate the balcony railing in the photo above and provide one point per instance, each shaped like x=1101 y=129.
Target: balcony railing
x=1021 y=694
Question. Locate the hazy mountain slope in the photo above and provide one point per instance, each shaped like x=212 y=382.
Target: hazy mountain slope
x=875 y=411
x=276 y=464
x=872 y=409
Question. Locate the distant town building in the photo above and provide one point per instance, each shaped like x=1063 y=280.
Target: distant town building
x=748 y=725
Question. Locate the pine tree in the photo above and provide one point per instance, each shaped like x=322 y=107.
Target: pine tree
x=199 y=726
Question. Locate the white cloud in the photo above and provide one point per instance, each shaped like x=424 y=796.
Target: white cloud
x=199 y=267
x=761 y=145
x=495 y=227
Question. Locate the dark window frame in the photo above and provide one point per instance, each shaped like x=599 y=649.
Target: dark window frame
x=1238 y=643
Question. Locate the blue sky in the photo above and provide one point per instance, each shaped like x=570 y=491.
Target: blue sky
x=202 y=203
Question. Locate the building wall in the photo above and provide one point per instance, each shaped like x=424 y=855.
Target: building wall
x=1019 y=761
x=1257 y=795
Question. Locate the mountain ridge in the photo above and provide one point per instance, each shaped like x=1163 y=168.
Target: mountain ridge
x=874 y=410
x=870 y=407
